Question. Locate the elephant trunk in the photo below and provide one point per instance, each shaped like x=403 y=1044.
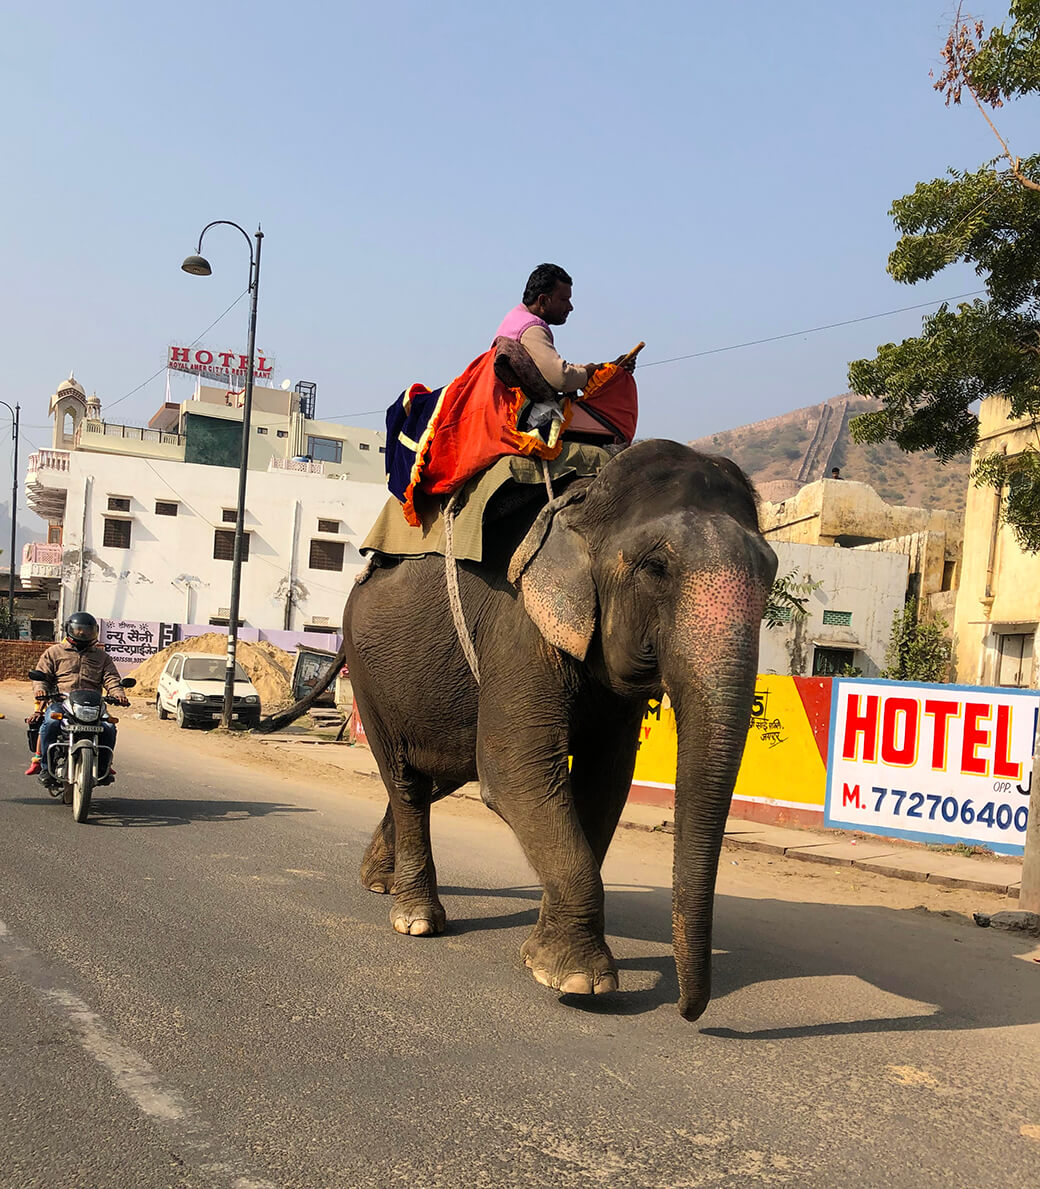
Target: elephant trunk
x=711 y=689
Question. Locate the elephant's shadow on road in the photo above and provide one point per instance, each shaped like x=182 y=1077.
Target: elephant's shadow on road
x=908 y=953
x=141 y=812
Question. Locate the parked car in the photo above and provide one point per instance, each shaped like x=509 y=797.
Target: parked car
x=191 y=688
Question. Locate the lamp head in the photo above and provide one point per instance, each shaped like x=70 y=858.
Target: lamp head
x=198 y=266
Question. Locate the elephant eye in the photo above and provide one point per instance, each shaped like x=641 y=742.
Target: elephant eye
x=654 y=565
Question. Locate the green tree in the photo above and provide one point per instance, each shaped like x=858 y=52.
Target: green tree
x=990 y=218
x=787 y=599
x=919 y=649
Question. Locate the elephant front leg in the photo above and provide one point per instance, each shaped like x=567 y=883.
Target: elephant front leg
x=566 y=950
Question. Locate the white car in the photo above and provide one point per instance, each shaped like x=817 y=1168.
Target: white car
x=192 y=689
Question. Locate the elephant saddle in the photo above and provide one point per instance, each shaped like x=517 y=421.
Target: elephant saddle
x=437 y=440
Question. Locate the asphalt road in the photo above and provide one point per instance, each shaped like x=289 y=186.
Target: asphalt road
x=196 y=991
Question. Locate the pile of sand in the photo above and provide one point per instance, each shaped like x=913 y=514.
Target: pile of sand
x=269 y=668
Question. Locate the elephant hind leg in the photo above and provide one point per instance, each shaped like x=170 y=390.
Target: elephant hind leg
x=417 y=910
x=377 y=866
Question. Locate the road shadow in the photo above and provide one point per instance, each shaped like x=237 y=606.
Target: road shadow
x=140 y=812
x=957 y=977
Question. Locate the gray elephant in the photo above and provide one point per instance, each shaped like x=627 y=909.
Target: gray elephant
x=651 y=577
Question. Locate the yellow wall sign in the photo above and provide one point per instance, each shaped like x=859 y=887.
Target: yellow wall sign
x=783 y=757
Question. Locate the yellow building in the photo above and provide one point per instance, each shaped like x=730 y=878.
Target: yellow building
x=998 y=600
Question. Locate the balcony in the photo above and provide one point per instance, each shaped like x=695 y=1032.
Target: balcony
x=297 y=467
x=41 y=565
x=111 y=438
x=46 y=483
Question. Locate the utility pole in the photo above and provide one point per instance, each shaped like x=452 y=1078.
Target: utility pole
x=16 y=418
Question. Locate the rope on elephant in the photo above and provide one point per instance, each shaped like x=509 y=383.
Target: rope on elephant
x=548 y=478
x=451 y=573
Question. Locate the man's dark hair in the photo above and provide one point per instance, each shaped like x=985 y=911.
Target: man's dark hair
x=544 y=279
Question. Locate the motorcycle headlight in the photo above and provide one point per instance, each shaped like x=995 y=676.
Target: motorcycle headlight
x=87 y=713
x=196 y=697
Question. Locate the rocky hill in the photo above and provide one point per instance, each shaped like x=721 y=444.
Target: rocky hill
x=786 y=452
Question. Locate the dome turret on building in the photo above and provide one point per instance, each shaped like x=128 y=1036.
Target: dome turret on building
x=68 y=407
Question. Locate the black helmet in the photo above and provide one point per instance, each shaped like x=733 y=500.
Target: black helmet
x=81 y=630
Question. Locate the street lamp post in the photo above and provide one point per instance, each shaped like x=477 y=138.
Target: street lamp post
x=15 y=414
x=198 y=266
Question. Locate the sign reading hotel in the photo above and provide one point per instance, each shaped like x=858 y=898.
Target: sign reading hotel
x=936 y=763
x=223 y=366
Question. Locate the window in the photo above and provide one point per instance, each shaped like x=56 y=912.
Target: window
x=949 y=572
x=54 y=534
x=224 y=545
x=261 y=429
x=165 y=508
x=223 y=621
x=328 y=526
x=382 y=449
x=1014 y=660
x=326 y=555
x=325 y=449
x=229 y=516
x=323 y=628
x=838 y=618
x=282 y=433
x=363 y=446
x=117 y=534
x=829 y=662
x=119 y=503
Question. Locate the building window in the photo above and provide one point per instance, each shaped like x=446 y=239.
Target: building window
x=322 y=628
x=328 y=526
x=838 y=618
x=325 y=449
x=326 y=555
x=261 y=429
x=224 y=545
x=782 y=614
x=830 y=662
x=382 y=449
x=363 y=445
x=223 y=621
x=949 y=573
x=119 y=503
x=54 y=534
x=117 y=534
x=229 y=516
x=1014 y=660
x=282 y=433
x=165 y=508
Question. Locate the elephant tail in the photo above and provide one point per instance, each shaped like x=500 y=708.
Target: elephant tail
x=278 y=722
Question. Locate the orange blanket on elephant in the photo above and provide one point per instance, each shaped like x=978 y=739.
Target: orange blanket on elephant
x=474 y=421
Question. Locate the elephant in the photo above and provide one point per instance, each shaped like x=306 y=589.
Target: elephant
x=650 y=578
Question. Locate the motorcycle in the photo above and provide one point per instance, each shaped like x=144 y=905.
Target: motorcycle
x=78 y=760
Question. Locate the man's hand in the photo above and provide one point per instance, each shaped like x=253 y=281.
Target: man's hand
x=628 y=362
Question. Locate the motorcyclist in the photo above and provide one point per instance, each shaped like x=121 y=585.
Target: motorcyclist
x=78 y=662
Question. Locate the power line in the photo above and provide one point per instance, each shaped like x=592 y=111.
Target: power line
x=112 y=404
x=792 y=334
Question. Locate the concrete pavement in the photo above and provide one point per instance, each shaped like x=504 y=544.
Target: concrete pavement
x=882 y=856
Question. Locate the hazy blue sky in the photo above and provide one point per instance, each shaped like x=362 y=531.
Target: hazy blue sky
x=709 y=174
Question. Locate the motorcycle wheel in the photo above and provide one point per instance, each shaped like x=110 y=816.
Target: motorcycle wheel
x=82 y=789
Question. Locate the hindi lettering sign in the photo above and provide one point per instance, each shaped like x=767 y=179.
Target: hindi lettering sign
x=129 y=642
x=223 y=366
x=936 y=763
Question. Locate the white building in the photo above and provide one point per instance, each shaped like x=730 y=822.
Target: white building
x=849 y=621
x=141 y=521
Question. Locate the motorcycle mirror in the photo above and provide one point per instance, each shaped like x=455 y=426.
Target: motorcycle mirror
x=37 y=675
x=128 y=682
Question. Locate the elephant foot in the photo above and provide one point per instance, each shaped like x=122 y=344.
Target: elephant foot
x=572 y=966
x=377 y=867
x=420 y=921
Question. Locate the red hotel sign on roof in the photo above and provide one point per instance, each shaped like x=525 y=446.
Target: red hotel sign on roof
x=217 y=365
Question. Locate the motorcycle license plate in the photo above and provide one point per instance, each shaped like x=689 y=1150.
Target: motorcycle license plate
x=83 y=729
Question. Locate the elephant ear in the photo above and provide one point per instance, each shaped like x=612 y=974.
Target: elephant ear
x=553 y=569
